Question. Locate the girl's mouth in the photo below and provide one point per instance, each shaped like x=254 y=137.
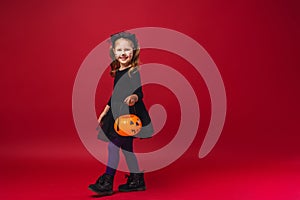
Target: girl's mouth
x=123 y=58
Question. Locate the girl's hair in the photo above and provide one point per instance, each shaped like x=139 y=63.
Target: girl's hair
x=115 y=65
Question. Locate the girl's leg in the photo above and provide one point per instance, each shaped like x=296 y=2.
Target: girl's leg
x=113 y=157
x=135 y=181
x=131 y=160
x=104 y=184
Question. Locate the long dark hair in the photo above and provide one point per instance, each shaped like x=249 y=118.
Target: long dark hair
x=115 y=65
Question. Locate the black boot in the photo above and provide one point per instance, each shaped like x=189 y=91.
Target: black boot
x=103 y=185
x=135 y=182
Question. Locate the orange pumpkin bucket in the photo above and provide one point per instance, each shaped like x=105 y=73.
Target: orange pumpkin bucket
x=128 y=125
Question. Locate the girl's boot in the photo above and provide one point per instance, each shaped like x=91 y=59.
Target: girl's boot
x=103 y=185
x=135 y=182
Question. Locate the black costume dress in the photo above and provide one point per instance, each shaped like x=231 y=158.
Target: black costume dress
x=126 y=83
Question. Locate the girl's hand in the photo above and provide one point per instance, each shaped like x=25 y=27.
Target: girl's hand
x=106 y=109
x=131 y=100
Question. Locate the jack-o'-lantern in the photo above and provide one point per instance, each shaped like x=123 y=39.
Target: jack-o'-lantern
x=128 y=125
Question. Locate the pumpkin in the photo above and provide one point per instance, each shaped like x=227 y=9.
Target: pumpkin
x=128 y=125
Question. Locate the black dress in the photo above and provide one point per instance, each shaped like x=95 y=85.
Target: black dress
x=126 y=83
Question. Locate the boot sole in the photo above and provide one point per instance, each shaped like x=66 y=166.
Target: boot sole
x=100 y=192
x=132 y=190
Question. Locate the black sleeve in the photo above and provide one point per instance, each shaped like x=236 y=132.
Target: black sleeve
x=109 y=102
x=136 y=80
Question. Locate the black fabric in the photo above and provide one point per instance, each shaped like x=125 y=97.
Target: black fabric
x=125 y=85
x=105 y=129
x=130 y=84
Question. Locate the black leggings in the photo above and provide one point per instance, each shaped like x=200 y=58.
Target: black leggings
x=126 y=144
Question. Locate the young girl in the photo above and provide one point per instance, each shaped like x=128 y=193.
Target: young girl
x=126 y=98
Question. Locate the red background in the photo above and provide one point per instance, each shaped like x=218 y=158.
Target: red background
x=255 y=45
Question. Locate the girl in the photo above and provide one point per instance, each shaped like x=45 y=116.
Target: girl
x=126 y=98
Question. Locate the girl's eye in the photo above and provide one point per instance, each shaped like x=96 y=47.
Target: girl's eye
x=126 y=50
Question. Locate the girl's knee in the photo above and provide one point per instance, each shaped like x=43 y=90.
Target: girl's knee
x=112 y=147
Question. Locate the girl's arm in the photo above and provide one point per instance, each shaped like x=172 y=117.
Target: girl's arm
x=138 y=93
x=106 y=109
x=136 y=79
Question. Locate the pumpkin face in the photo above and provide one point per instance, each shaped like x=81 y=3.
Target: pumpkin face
x=128 y=125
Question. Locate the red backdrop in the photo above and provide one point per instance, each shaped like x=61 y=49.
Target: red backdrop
x=255 y=45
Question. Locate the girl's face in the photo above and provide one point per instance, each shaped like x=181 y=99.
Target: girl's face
x=123 y=51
